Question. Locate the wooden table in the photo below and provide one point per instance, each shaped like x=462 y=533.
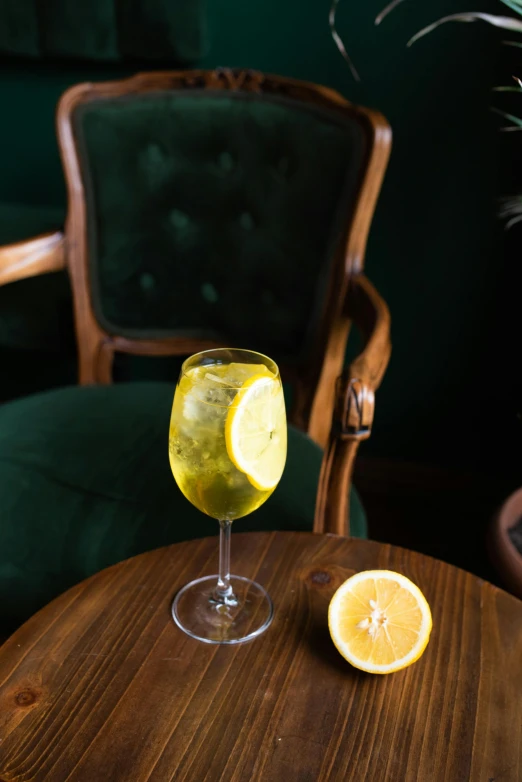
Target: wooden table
x=100 y=686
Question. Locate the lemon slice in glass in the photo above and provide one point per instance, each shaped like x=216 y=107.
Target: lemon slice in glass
x=255 y=431
x=379 y=621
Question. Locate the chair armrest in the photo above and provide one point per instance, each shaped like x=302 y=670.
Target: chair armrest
x=41 y=254
x=354 y=406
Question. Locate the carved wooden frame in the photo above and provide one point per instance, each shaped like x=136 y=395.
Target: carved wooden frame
x=315 y=383
x=354 y=407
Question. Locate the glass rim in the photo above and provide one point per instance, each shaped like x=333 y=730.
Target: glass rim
x=184 y=372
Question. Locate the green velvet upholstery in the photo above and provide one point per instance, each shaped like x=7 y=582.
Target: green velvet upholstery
x=215 y=213
x=173 y=30
x=85 y=482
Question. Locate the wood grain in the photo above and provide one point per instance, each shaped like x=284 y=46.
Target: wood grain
x=101 y=685
x=39 y=255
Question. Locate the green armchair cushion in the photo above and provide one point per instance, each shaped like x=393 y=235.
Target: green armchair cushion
x=215 y=213
x=85 y=482
x=172 y=30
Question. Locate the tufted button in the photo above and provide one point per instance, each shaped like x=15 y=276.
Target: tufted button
x=226 y=161
x=155 y=154
x=246 y=221
x=178 y=218
x=209 y=293
x=154 y=165
x=147 y=282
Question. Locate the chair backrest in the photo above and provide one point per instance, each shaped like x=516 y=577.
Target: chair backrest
x=222 y=207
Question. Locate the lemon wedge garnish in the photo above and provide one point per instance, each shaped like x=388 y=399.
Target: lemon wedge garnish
x=255 y=431
x=379 y=621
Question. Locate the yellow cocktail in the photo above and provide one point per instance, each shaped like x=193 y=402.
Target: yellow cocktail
x=227 y=450
x=210 y=464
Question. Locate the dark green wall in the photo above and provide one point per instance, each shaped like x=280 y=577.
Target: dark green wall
x=435 y=250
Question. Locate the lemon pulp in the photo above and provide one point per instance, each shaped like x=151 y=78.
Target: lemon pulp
x=379 y=621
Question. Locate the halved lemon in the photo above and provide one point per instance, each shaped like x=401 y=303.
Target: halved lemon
x=379 y=621
x=255 y=431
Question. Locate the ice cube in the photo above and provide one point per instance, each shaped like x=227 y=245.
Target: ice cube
x=235 y=374
x=191 y=406
x=216 y=379
x=216 y=385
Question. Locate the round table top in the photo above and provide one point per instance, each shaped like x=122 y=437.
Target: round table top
x=101 y=685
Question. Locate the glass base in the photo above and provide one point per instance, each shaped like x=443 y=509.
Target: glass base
x=198 y=612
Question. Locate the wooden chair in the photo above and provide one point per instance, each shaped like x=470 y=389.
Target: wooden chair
x=311 y=170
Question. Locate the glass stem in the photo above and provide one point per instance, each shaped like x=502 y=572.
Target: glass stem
x=224 y=592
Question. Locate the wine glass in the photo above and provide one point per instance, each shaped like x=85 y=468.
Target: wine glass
x=227 y=450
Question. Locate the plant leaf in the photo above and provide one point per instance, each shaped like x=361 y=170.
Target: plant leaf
x=517 y=121
x=514 y=5
x=511 y=206
x=507 y=89
x=506 y=22
x=339 y=41
x=385 y=11
x=513 y=221
x=513 y=43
